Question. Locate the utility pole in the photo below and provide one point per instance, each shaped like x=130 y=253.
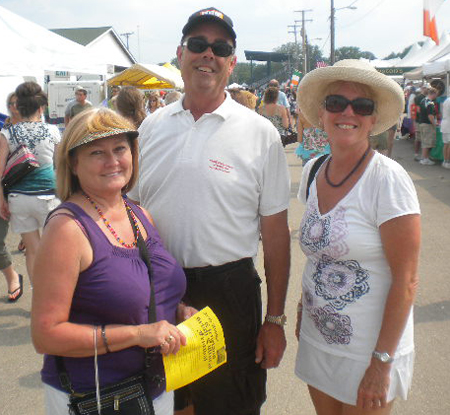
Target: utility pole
x=127 y=35
x=332 y=57
x=294 y=31
x=332 y=19
x=304 y=47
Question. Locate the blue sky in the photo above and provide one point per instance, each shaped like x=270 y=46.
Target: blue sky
x=379 y=26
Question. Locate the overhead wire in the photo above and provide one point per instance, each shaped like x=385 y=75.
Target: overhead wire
x=365 y=15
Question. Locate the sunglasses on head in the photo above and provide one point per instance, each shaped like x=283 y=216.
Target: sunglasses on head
x=199 y=45
x=360 y=106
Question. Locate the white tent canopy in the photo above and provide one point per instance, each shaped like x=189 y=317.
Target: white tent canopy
x=437 y=68
x=35 y=49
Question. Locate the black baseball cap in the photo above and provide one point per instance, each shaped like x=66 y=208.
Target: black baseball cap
x=211 y=14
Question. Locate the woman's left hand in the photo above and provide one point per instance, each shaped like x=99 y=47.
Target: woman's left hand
x=184 y=312
x=4 y=208
x=374 y=386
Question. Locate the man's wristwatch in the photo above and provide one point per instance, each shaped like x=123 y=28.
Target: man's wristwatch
x=382 y=356
x=279 y=320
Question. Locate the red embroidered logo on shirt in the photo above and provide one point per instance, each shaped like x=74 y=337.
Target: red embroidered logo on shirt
x=218 y=165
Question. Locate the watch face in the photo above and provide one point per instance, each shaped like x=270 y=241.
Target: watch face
x=384 y=357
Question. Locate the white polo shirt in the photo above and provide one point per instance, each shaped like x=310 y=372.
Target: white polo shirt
x=207 y=182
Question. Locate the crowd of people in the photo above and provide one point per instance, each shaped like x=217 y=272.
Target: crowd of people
x=154 y=208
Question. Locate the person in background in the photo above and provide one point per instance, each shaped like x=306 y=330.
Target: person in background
x=172 y=96
x=417 y=139
x=313 y=141
x=274 y=112
x=31 y=199
x=245 y=98
x=80 y=104
x=153 y=102
x=282 y=98
x=112 y=101
x=215 y=177
x=445 y=130
x=13 y=279
x=427 y=126
x=361 y=236
x=130 y=103
x=90 y=277
x=411 y=112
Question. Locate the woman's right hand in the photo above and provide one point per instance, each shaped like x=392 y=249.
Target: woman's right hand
x=163 y=334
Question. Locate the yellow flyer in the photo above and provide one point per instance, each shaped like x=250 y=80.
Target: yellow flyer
x=205 y=350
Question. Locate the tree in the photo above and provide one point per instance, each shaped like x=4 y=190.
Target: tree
x=352 y=52
x=314 y=55
x=401 y=54
x=175 y=63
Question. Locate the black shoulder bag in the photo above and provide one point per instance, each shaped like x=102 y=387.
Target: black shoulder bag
x=312 y=173
x=130 y=396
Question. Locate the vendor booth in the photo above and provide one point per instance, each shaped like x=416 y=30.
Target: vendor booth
x=149 y=76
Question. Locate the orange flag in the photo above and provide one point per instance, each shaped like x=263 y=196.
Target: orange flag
x=430 y=7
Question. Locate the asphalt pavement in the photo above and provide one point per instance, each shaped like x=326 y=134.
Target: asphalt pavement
x=21 y=392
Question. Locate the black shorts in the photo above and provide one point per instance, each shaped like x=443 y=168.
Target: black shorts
x=233 y=291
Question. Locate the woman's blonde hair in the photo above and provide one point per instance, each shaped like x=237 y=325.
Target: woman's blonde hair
x=86 y=127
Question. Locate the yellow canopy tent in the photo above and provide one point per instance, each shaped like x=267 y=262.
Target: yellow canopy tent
x=149 y=76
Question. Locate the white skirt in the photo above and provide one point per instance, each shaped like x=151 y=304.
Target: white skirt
x=339 y=377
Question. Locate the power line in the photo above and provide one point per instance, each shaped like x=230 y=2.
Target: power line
x=365 y=15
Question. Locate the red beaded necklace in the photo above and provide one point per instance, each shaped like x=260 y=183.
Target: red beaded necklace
x=108 y=224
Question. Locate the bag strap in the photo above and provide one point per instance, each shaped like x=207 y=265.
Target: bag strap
x=146 y=258
x=143 y=251
x=312 y=173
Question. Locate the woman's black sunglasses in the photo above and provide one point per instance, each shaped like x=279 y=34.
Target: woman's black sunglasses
x=199 y=45
x=338 y=103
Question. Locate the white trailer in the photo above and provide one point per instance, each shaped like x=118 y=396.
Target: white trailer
x=60 y=93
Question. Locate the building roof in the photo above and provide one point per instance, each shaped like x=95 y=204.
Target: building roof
x=266 y=56
x=82 y=35
x=86 y=35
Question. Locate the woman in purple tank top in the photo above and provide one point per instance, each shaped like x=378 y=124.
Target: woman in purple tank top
x=91 y=287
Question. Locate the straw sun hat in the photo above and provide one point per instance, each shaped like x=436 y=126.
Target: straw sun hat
x=389 y=98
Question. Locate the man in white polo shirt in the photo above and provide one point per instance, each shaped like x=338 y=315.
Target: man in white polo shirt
x=214 y=176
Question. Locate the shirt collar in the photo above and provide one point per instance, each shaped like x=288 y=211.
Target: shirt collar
x=224 y=110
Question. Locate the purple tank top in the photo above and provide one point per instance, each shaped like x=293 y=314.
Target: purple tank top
x=115 y=289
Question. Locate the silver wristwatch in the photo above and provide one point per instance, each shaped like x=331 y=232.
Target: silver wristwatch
x=382 y=357
x=279 y=320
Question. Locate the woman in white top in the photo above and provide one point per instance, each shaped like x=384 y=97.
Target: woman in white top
x=361 y=236
x=33 y=197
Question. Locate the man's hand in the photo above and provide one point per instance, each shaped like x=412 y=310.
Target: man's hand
x=270 y=345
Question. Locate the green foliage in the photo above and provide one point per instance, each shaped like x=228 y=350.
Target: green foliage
x=352 y=52
x=401 y=54
x=175 y=63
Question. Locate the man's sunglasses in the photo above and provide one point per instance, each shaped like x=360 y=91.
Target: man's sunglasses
x=360 y=106
x=199 y=45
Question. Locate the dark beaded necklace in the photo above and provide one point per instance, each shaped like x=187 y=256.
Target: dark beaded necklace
x=108 y=224
x=348 y=175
